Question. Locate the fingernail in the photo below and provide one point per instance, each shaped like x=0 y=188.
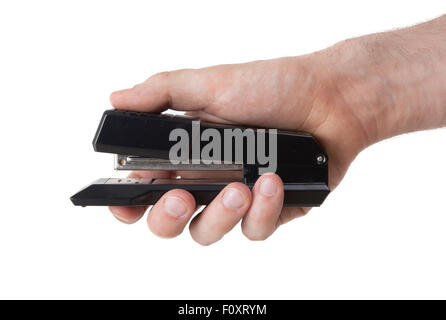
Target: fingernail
x=232 y=199
x=268 y=187
x=175 y=207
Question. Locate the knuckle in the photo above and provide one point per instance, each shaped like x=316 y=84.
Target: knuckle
x=160 y=76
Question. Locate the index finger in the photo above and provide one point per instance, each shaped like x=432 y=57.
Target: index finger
x=185 y=90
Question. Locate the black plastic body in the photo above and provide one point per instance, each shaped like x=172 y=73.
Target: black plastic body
x=141 y=134
x=100 y=193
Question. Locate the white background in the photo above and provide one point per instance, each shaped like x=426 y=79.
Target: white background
x=381 y=234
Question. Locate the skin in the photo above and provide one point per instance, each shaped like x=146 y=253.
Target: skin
x=348 y=96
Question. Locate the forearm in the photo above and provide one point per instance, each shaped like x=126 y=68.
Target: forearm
x=416 y=76
x=398 y=82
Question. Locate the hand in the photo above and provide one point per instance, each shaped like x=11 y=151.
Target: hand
x=348 y=96
x=284 y=93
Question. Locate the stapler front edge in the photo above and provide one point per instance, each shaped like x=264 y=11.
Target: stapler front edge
x=143 y=141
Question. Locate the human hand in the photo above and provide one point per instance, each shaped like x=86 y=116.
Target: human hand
x=348 y=96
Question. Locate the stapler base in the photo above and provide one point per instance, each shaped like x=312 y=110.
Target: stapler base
x=143 y=192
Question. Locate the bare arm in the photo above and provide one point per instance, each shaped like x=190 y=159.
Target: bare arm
x=349 y=96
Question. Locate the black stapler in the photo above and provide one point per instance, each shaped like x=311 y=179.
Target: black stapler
x=146 y=141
